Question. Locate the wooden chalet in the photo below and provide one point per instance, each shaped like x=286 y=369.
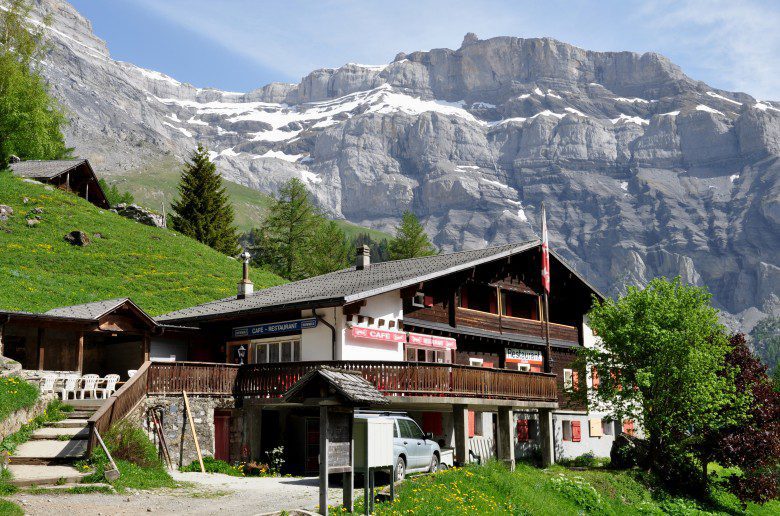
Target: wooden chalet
x=72 y=175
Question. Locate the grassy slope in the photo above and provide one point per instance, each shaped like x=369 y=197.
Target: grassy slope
x=148 y=185
x=159 y=269
x=15 y=394
x=555 y=491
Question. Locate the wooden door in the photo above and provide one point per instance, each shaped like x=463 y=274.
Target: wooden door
x=222 y=435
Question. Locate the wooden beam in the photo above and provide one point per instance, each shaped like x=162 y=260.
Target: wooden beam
x=147 y=346
x=80 y=356
x=324 y=424
x=41 y=348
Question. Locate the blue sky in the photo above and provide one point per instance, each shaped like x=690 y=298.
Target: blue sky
x=240 y=45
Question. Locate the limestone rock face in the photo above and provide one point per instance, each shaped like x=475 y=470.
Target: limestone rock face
x=139 y=214
x=645 y=171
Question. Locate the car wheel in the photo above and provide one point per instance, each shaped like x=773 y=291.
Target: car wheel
x=400 y=469
x=434 y=463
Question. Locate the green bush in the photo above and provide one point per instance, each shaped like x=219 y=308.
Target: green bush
x=578 y=490
x=10 y=509
x=128 y=442
x=586 y=460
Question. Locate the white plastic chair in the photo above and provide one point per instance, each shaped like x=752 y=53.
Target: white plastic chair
x=110 y=386
x=131 y=372
x=69 y=384
x=88 y=386
x=47 y=383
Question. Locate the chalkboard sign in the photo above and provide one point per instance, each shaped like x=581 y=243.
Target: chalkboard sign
x=339 y=441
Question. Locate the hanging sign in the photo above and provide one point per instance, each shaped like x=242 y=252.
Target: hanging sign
x=432 y=341
x=276 y=327
x=524 y=356
x=374 y=334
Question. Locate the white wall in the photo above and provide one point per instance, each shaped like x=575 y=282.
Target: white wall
x=388 y=306
x=316 y=343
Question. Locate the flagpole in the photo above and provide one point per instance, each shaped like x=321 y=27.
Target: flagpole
x=545 y=290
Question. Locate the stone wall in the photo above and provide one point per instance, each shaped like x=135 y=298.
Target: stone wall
x=15 y=421
x=176 y=428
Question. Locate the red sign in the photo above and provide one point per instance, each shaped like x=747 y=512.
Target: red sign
x=373 y=334
x=432 y=341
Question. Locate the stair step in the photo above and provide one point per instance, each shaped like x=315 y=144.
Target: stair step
x=85 y=404
x=70 y=423
x=80 y=415
x=49 y=451
x=38 y=475
x=54 y=432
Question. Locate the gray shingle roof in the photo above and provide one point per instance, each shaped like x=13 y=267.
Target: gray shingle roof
x=87 y=311
x=350 y=384
x=349 y=285
x=44 y=169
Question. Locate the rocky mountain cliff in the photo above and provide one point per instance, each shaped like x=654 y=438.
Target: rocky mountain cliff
x=645 y=171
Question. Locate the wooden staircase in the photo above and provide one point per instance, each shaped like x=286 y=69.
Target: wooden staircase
x=48 y=457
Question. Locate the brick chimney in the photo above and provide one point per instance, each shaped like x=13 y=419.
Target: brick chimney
x=245 y=286
x=362 y=257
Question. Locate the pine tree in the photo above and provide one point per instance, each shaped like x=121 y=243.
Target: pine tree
x=296 y=241
x=203 y=211
x=410 y=240
x=31 y=120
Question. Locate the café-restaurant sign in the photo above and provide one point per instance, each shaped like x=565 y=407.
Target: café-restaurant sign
x=374 y=334
x=259 y=330
x=432 y=341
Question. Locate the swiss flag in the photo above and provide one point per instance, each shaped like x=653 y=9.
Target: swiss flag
x=545 y=253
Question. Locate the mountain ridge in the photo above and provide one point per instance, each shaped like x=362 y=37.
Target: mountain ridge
x=645 y=170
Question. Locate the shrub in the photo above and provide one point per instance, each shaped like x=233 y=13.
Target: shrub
x=212 y=465
x=276 y=460
x=578 y=490
x=128 y=442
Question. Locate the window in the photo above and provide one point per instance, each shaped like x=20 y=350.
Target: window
x=478 y=297
x=436 y=356
x=608 y=427
x=273 y=352
x=523 y=367
x=596 y=428
x=418 y=300
x=568 y=379
x=566 y=426
x=516 y=304
x=409 y=429
x=476 y=362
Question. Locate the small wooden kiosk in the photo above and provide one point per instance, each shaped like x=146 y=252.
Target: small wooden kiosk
x=337 y=393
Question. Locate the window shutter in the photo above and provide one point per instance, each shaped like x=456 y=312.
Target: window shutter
x=596 y=429
x=595 y=377
x=522 y=430
x=628 y=427
x=471 y=423
x=576 y=432
x=428 y=301
x=575 y=380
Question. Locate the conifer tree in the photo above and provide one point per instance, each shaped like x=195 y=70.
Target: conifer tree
x=31 y=120
x=203 y=211
x=410 y=240
x=296 y=241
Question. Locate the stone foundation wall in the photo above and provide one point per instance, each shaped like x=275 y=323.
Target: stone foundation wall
x=15 y=421
x=176 y=428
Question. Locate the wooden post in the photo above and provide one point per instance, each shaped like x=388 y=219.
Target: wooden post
x=80 y=356
x=192 y=428
x=548 y=351
x=324 y=459
x=41 y=349
x=348 y=478
x=146 y=347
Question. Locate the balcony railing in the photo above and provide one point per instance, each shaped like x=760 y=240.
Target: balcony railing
x=391 y=378
x=506 y=324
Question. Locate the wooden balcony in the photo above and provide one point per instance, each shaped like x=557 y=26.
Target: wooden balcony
x=505 y=324
x=391 y=378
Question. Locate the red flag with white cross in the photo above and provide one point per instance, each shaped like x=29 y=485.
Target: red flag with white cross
x=545 y=253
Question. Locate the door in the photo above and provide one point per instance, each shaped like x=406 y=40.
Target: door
x=222 y=436
x=417 y=449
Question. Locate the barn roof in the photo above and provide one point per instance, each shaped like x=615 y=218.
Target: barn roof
x=40 y=169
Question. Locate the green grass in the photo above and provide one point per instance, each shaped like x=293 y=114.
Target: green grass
x=10 y=509
x=212 y=465
x=35 y=490
x=16 y=394
x=55 y=411
x=491 y=489
x=135 y=456
x=159 y=269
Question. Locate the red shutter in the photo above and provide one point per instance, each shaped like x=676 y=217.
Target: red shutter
x=428 y=301
x=575 y=380
x=471 y=423
x=576 y=433
x=595 y=376
x=522 y=430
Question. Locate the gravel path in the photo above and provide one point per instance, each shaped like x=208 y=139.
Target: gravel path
x=208 y=493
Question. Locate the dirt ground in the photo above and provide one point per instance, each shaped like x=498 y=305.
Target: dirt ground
x=201 y=494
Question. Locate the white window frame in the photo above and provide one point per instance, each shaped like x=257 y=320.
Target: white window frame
x=446 y=354
x=568 y=379
x=263 y=346
x=566 y=433
x=418 y=299
x=476 y=362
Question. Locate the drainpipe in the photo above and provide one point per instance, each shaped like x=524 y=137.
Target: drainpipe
x=332 y=331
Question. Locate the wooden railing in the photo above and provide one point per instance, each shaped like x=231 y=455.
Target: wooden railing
x=406 y=379
x=197 y=378
x=494 y=322
x=118 y=405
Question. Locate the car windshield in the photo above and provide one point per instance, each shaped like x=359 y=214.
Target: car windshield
x=409 y=429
